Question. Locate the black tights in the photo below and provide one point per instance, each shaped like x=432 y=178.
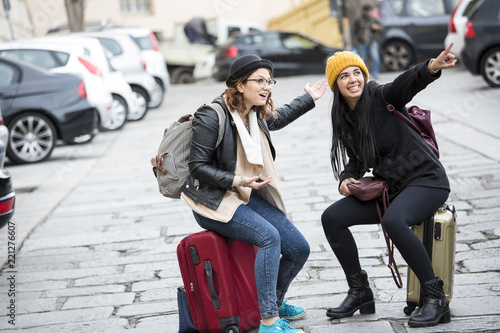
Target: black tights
x=412 y=206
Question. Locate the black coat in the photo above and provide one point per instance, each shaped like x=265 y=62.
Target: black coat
x=214 y=167
x=403 y=157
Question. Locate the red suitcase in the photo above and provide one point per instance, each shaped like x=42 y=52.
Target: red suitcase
x=219 y=280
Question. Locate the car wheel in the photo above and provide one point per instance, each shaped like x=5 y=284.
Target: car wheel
x=490 y=67
x=32 y=137
x=397 y=55
x=157 y=95
x=140 y=100
x=183 y=75
x=119 y=110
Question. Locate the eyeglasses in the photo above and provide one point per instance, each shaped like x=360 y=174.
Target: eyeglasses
x=263 y=82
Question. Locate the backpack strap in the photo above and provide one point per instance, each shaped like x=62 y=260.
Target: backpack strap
x=401 y=116
x=222 y=121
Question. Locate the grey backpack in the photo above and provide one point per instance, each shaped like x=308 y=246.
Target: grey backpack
x=170 y=165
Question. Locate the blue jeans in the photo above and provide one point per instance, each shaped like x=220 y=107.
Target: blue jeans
x=261 y=224
x=370 y=51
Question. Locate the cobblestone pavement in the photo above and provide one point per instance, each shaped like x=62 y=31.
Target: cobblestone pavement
x=96 y=241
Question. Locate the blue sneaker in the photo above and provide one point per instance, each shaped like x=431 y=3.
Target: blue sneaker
x=279 y=326
x=291 y=312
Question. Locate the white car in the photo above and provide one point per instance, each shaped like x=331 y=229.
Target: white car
x=66 y=59
x=456 y=27
x=124 y=100
x=155 y=62
x=127 y=58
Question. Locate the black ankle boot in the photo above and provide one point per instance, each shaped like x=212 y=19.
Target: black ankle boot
x=359 y=296
x=435 y=309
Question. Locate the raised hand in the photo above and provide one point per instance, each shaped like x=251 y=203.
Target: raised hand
x=317 y=90
x=444 y=60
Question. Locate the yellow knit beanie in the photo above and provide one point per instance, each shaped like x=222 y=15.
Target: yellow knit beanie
x=341 y=60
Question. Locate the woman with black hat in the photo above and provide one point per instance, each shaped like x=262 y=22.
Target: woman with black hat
x=366 y=135
x=237 y=194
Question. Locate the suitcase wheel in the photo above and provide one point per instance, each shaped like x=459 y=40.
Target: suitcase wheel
x=232 y=329
x=409 y=309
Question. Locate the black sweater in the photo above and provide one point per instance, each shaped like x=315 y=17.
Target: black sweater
x=403 y=158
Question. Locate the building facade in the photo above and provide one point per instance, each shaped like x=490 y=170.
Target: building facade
x=33 y=18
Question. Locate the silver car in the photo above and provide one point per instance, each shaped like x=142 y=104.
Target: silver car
x=127 y=58
x=155 y=62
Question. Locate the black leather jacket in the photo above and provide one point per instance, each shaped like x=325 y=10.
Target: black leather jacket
x=213 y=168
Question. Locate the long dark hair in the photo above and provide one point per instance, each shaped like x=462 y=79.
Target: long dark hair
x=360 y=128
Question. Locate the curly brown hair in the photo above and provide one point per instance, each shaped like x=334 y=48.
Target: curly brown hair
x=234 y=99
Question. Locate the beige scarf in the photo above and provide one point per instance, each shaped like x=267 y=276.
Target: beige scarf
x=250 y=141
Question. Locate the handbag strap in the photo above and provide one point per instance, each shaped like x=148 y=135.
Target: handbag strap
x=390 y=245
x=401 y=116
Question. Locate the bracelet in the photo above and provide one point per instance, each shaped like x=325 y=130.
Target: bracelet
x=241 y=182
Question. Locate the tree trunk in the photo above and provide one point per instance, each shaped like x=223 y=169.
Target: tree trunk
x=75 y=9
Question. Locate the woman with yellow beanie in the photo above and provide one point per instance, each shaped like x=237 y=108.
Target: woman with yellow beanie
x=367 y=136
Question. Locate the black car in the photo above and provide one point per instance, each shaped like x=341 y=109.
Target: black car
x=39 y=108
x=291 y=53
x=414 y=30
x=481 y=53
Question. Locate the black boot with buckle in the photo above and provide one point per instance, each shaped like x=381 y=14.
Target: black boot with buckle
x=359 y=297
x=435 y=309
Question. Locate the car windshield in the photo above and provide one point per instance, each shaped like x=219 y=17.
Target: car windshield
x=271 y=40
x=6 y=75
x=468 y=8
x=233 y=31
x=425 y=8
x=298 y=42
x=144 y=43
x=111 y=45
x=41 y=58
x=395 y=7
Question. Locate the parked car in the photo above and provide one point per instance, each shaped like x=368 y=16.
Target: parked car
x=67 y=59
x=456 y=27
x=155 y=62
x=39 y=108
x=291 y=53
x=413 y=30
x=7 y=194
x=127 y=58
x=124 y=100
x=481 y=54
x=4 y=136
x=222 y=29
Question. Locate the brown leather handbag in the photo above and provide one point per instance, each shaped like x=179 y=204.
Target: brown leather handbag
x=369 y=188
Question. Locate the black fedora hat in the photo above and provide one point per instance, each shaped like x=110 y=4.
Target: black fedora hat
x=245 y=64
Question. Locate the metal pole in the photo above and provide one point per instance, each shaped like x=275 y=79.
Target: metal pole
x=6 y=5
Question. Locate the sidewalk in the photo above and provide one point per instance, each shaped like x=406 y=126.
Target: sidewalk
x=97 y=241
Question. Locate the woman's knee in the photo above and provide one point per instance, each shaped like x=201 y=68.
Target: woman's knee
x=303 y=252
x=392 y=224
x=297 y=251
x=329 y=218
x=302 y=249
x=270 y=238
